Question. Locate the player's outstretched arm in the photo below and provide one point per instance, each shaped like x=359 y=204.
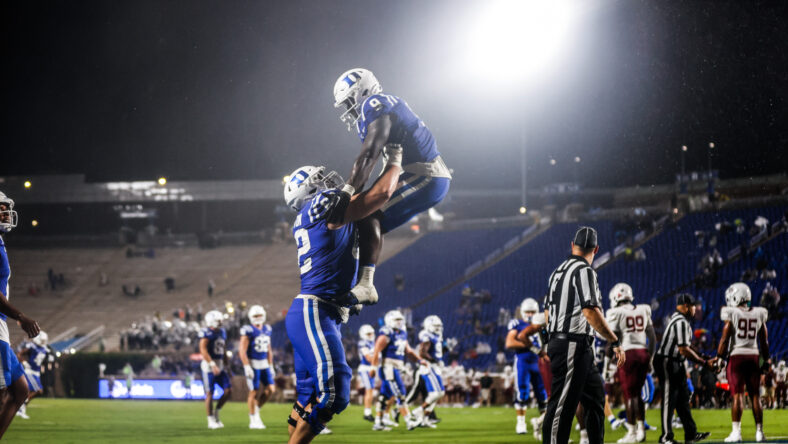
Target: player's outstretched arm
x=722 y=348
x=377 y=136
x=28 y=325
x=380 y=344
x=513 y=342
x=363 y=204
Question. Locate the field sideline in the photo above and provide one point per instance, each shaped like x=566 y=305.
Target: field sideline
x=105 y=421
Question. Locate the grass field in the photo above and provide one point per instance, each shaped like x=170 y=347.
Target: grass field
x=111 y=421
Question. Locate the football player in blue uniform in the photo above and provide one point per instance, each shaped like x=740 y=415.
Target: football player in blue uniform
x=13 y=383
x=32 y=356
x=366 y=372
x=325 y=233
x=385 y=121
x=258 y=360
x=430 y=378
x=392 y=345
x=213 y=339
x=526 y=364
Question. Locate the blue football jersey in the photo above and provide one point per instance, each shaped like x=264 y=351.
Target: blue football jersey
x=216 y=339
x=407 y=129
x=5 y=275
x=519 y=325
x=398 y=342
x=365 y=347
x=328 y=259
x=435 y=350
x=259 y=341
x=35 y=356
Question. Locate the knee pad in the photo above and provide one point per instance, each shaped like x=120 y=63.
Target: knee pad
x=432 y=397
x=382 y=402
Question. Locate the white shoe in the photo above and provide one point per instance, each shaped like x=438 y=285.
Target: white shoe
x=521 y=429
x=584 y=441
x=537 y=428
x=365 y=294
x=212 y=423
x=617 y=423
x=629 y=438
x=759 y=436
x=326 y=431
x=412 y=423
x=381 y=428
x=734 y=437
x=256 y=423
x=426 y=422
x=640 y=435
x=22 y=414
x=388 y=422
x=677 y=424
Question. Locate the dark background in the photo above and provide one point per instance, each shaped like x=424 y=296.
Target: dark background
x=228 y=89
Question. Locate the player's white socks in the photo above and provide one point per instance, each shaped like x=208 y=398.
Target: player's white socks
x=583 y=435
x=736 y=425
x=418 y=412
x=520 y=419
x=758 y=427
x=611 y=418
x=641 y=426
x=367 y=275
x=367 y=412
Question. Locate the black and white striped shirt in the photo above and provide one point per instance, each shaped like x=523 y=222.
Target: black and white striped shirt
x=677 y=334
x=573 y=286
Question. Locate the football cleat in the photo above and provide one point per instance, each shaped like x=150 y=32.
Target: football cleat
x=326 y=431
x=521 y=429
x=369 y=418
x=381 y=428
x=629 y=438
x=412 y=423
x=734 y=437
x=700 y=436
x=759 y=436
x=537 y=426
x=640 y=435
x=212 y=423
x=617 y=423
x=388 y=422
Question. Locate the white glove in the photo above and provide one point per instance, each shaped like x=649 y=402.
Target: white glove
x=273 y=372
x=344 y=314
x=248 y=371
x=393 y=155
x=538 y=319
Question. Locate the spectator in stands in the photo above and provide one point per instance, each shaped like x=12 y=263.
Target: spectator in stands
x=486 y=382
x=169 y=283
x=770 y=300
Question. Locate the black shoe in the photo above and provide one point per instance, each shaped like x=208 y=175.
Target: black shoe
x=700 y=436
x=369 y=418
x=396 y=417
x=434 y=418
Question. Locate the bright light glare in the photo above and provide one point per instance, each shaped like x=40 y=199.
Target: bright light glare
x=28 y=184
x=522 y=210
x=514 y=40
x=162 y=181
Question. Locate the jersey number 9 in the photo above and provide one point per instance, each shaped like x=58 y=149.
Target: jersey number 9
x=747 y=329
x=635 y=323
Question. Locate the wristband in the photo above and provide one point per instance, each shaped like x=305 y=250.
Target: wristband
x=348 y=188
x=615 y=344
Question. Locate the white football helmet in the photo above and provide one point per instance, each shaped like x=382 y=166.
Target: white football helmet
x=620 y=293
x=367 y=332
x=394 y=319
x=42 y=339
x=350 y=91
x=7 y=213
x=738 y=294
x=528 y=308
x=781 y=364
x=257 y=315
x=303 y=183
x=433 y=324
x=213 y=319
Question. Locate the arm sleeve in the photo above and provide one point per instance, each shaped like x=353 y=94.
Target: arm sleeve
x=684 y=334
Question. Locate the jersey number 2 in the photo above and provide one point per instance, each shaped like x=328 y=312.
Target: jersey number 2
x=302 y=240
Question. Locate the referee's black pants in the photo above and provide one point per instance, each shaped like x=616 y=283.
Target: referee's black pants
x=575 y=379
x=675 y=396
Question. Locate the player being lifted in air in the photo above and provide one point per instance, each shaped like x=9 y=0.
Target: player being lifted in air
x=744 y=340
x=386 y=121
x=632 y=324
x=32 y=355
x=214 y=359
x=258 y=360
x=366 y=372
x=325 y=234
x=392 y=344
x=13 y=384
x=430 y=379
x=526 y=364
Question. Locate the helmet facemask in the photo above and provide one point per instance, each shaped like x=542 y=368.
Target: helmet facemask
x=8 y=217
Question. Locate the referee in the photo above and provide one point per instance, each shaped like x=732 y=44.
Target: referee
x=669 y=365
x=573 y=306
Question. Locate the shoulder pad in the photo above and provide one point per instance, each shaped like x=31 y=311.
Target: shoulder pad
x=384 y=331
x=726 y=314
x=204 y=332
x=513 y=324
x=375 y=106
x=424 y=336
x=247 y=330
x=647 y=308
x=763 y=313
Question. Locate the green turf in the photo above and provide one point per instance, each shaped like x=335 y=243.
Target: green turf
x=104 y=421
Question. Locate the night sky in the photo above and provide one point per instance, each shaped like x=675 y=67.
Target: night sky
x=196 y=90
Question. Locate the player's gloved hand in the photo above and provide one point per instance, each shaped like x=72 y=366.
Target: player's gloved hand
x=538 y=319
x=356 y=309
x=393 y=155
x=248 y=371
x=28 y=325
x=344 y=314
x=215 y=368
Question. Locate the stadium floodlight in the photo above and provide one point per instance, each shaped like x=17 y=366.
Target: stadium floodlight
x=28 y=184
x=577 y=159
x=34 y=223
x=523 y=210
x=162 y=181
x=552 y=162
x=684 y=148
x=511 y=41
